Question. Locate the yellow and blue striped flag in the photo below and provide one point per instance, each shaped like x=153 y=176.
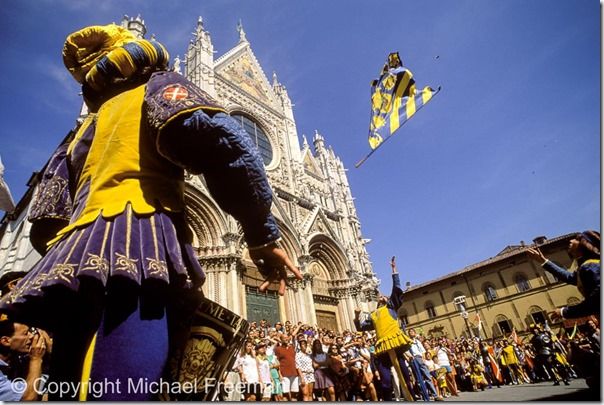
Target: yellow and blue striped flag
x=394 y=100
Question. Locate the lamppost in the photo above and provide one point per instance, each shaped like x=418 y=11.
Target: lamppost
x=459 y=301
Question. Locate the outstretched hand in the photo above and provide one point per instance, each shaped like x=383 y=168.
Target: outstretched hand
x=393 y=264
x=536 y=255
x=556 y=315
x=273 y=262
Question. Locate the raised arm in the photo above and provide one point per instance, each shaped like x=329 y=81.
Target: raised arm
x=559 y=272
x=396 y=297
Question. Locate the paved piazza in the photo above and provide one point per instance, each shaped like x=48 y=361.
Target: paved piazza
x=576 y=391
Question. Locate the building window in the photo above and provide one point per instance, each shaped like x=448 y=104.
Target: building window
x=490 y=293
x=505 y=325
x=538 y=315
x=522 y=283
x=430 y=309
x=403 y=317
x=258 y=137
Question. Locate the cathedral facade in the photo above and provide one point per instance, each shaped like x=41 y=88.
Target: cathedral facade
x=312 y=203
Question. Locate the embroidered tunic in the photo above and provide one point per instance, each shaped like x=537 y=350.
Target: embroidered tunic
x=120 y=184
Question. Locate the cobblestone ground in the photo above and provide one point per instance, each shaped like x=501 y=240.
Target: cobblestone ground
x=576 y=391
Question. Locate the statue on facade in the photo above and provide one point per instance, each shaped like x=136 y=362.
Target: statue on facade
x=176 y=67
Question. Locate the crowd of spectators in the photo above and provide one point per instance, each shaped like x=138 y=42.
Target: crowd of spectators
x=289 y=362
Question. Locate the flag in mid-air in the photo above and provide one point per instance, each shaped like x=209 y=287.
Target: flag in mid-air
x=394 y=100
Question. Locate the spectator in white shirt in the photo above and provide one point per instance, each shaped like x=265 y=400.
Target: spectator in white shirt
x=250 y=376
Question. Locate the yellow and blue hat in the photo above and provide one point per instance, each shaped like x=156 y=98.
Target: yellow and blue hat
x=99 y=55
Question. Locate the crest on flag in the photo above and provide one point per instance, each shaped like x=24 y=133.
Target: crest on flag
x=394 y=100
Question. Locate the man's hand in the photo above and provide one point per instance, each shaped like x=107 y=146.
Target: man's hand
x=393 y=264
x=357 y=313
x=272 y=262
x=38 y=347
x=47 y=340
x=556 y=315
x=536 y=255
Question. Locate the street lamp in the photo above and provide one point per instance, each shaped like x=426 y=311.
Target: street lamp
x=459 y=301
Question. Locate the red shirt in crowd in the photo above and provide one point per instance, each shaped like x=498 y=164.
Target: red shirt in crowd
x=287 y=360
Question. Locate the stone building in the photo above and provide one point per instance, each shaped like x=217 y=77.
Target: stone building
x=313 y=203
x=503 y=292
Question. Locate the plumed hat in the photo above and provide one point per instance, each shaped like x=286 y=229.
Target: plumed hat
x=98 y=55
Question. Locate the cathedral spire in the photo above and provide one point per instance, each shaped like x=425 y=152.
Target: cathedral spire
x=135 y=25
x=319 y=142
x=304 y=142
x=199 y=59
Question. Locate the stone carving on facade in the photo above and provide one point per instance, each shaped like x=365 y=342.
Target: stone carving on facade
x=294 y=284
x=231 y=238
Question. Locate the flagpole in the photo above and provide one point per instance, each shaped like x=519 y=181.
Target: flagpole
x=371 y=153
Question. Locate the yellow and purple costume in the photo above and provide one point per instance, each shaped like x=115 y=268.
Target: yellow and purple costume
x=388 y=332
x=389 y=336
x=120 y=270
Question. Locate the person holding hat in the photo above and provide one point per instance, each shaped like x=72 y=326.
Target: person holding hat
x=584 y=248
x=121 y=267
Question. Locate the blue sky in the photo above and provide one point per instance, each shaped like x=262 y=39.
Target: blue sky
x=509 y=150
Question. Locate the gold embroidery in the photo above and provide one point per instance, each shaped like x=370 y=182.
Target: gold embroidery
x=47 y=198
x=73 y=246
x=157 y=267
x=104 y=238
x=97 y=264
x=128 y=228
x=38 y=281
x=62 y=271
x=152 y=220
x=65 y=271
x=123 y=263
